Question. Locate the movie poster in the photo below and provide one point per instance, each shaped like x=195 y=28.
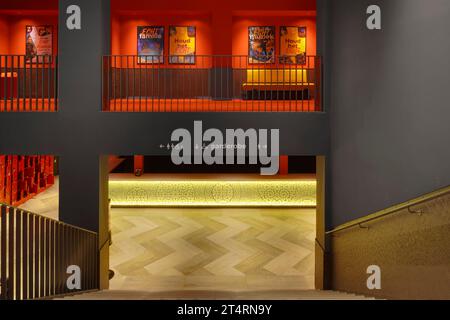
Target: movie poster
x=150 y=42
x=182 y=45
x=293 y=45
x=261 y=45
x=39 y=42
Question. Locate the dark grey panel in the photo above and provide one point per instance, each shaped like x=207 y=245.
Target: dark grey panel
x=80 y=74
x=142 y=133
x=389 y=115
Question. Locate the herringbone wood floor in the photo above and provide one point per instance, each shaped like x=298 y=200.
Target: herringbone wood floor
x=160 y=249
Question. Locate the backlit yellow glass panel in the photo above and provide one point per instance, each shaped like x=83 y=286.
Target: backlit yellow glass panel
x=264 y=193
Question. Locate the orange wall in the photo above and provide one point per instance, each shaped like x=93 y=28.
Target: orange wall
x=124 y=33
x=4 y=35
x=216 y=33
x=13 y=41
x=37 y=5
x=213 y=5
x=220 y=30
x=124 y=30
x=17 y=32
x=241 y=24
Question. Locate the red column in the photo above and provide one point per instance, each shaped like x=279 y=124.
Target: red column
x=222 y=22
x=138 y=165
x=284 y=165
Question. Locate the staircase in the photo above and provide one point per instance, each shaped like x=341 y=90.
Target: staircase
x=216 y=295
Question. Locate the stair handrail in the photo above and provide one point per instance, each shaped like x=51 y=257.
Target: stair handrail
x=55 y=245
x=393 y=210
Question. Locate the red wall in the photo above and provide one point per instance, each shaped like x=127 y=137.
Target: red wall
x=26 y=5
x=16 y=14
x=4 y=35
x=12 y=32
x=241 y=24
x=212 y=5
x=124 y=31
x=222 y=26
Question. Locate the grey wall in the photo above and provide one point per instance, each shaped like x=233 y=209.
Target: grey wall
x=389 y=105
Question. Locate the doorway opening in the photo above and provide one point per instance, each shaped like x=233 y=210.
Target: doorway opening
x=206 y=228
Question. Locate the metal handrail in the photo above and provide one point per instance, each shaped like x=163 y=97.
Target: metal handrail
x=222 y=83
x=48 y=218
x=36 y=251
x=392 y=210
x=30 y=83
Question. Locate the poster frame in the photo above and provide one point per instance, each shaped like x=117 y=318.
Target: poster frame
x=50 y=57
x=137 y=45
x=274 y=44
x=306 y=46
x=195 y=46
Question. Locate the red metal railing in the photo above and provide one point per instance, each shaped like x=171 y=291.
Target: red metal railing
x=36 y=251
x=209 y=83
x=28 y=83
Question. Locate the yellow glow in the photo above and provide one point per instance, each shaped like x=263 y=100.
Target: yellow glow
x=261 y=193
x=276 y=76
x=182 y=43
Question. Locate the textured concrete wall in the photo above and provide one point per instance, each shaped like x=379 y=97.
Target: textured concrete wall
x=411 y=249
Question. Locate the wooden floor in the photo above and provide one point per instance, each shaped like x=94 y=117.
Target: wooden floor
x=214 y=252
x=45 y=203
x=208 y=105
x=225 y=249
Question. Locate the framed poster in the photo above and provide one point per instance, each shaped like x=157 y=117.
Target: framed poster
x=293 y=45
x=38 y=42
x=261 y=45
x=150 y=44
x=182 y=45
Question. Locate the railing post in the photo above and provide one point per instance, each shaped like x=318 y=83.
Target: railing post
x=11 y=247
x=318 y=84
x=183 y=87
x=106 y=69
x=18 y=254
x=25 y=257
x=3 y=257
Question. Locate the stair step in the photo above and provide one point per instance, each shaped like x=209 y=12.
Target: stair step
x=198 y=294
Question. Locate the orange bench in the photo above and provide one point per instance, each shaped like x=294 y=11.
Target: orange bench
x=277 y=83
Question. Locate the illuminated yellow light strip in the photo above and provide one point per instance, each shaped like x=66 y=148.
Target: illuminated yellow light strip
x=213 y=193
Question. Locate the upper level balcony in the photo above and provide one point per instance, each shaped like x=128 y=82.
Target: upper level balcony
x=213 y=56
x=28 y=56
x=220 y=69
x=209 y=83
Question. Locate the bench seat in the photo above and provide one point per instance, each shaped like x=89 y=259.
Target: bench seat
x=278 y=84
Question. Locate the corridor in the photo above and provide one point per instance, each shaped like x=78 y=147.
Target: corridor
x=167 y=249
